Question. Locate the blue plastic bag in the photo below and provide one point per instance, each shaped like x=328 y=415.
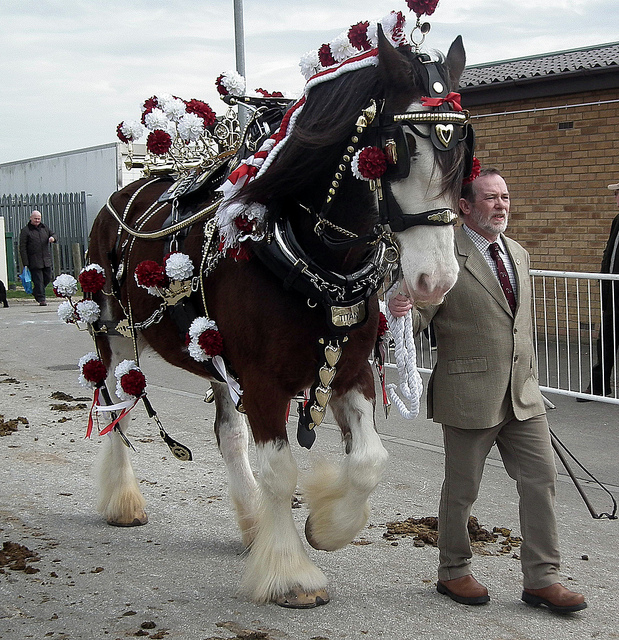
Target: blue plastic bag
x=26 y=280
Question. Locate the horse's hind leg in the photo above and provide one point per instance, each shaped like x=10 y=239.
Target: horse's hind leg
x=233 y=440
x=120 y=499
x=337 y=496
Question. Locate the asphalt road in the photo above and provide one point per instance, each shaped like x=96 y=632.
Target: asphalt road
x=178 y=576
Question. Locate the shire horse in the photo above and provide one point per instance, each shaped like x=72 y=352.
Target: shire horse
x=274 y=331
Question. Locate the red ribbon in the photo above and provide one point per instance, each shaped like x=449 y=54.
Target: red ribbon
x=95 y=401
x=112 y=424
x=452 y=98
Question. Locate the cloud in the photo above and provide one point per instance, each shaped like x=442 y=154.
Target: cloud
x=73 y=69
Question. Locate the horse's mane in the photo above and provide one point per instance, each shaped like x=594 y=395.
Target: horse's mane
x=325 y=125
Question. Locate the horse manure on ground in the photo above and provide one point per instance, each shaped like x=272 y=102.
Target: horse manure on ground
x=9 y=426
x=60 y=395
x=63 y=406
x=17 y=557
x=424 y=531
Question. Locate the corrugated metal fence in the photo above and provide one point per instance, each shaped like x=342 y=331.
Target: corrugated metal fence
x=64 y=213
x=566 y=322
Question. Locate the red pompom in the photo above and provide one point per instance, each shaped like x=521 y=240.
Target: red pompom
x=203 y=110
x=382 y=325
x=244 y=224
x=421 y=7
x=94 y=371
x=211 y=342
x=133 y=383
x=372 y=163
x=149 y=273
x=358 y=36
x=475 y=169
x=149 y=105
x=159 y=142
x=91 y=281
x=221 y=90
x=325 y=56
x=269 y=94
x=121 y=136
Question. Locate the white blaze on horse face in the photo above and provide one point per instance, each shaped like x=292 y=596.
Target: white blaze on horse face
x=428 y=261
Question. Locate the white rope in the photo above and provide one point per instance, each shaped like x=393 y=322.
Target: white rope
x=411 y=384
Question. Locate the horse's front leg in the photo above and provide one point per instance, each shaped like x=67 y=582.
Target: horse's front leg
x=120 y=500
x=233 y=440
x=278 y=567
x=337 y=496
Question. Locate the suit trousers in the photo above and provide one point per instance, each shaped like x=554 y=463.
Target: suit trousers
x=528 y=457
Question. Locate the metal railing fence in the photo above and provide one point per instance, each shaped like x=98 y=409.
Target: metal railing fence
x=567 y=312
x=64 y=213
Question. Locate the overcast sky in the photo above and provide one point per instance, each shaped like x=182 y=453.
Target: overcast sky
x=71 y=70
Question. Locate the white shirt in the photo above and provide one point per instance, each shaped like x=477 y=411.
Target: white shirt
x=483 y=245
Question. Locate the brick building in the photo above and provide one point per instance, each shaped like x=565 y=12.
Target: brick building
x=550 y=123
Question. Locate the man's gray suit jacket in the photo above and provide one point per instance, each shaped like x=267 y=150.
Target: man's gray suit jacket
x=485 y=358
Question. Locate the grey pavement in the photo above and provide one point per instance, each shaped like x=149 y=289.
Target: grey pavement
x=178 y=576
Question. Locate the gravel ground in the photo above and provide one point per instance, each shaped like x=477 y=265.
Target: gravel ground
x=65 y=574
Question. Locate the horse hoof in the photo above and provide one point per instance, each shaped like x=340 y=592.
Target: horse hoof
x=296 y=599
x=310 y=537
x=137 y=522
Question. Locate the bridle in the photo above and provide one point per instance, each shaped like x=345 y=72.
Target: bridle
x=449 y=125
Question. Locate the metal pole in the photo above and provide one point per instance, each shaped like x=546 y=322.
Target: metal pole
x=239 y=47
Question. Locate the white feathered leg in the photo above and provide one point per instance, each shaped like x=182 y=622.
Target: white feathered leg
x=233 y=440
x=337 y=496
x=278 y=567
x=120 y=499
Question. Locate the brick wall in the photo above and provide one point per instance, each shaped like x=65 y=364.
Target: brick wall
x=557 y=162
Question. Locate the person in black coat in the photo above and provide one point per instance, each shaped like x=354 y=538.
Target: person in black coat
x=608 y=339
x=34 y=248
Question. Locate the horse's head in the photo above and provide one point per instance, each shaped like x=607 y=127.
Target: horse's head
x=434 y=146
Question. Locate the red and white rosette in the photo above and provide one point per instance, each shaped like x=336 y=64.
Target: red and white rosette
x=67 y=313
x=65 y=286
x=92 y=278
x=205 y=343
x=92 y=375
x=130 y=381
x=150 y=275
x=369 y=163
x=178 y=266
x=130 y=387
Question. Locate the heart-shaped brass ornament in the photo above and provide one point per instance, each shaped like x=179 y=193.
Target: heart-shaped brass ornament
x=444 y=132
x=326 y=375
x=317 y=414
x=323 y=396
x=332 y=354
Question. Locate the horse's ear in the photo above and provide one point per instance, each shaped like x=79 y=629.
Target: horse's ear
x=456 y=61
x=395 y=69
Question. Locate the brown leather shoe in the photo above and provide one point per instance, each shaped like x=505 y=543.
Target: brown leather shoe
x=465 y=590
x=556 y=597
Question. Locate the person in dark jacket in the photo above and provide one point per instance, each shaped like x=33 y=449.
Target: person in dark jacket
x=608 y=339
x=34 y=247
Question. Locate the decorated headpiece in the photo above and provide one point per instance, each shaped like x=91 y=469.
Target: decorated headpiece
x=181 y=135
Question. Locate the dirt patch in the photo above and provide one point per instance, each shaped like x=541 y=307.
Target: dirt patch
x=17 y=557
x=7 y=427
x=424 y=531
